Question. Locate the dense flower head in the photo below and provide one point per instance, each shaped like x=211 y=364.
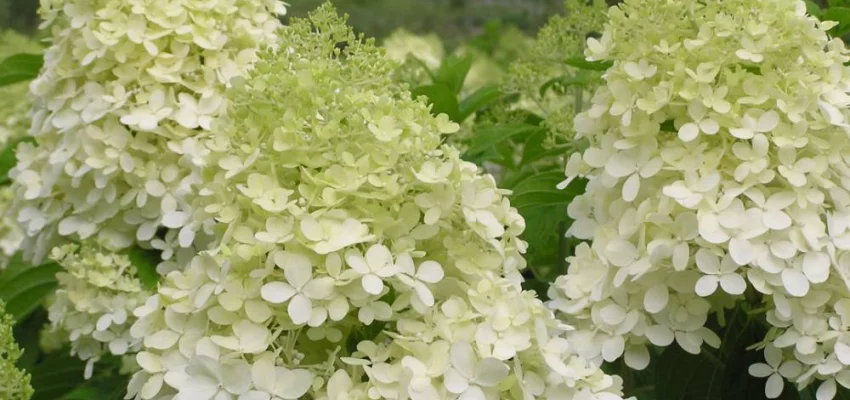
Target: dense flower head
x=359 y=258
x=94 y=303
x=125 y=87
x=14 y=382
x=717 y=165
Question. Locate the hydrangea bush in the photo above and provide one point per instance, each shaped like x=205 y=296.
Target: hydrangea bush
x=357 y=256
x=125 y=88
x=717 y=174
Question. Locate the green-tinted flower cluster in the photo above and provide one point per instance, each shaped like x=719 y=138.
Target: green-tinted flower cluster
x=125 y=87
x=14 y=123
x=14 y=383
x=420 y=56
x=717 y=166
x=402 y=44
x=548 y=85
x=93 y=306
x=358 y=257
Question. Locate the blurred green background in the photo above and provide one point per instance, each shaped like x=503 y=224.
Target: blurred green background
x=453 y=20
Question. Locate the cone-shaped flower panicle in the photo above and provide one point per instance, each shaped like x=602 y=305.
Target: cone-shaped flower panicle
x=125 y=89
x=359 y=258
x=717 y=165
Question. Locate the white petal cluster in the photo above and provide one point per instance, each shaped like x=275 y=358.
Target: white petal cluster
x=358 y=259
x=717 y=166
x=125 y=88
x=13 y=125
x=94 y=302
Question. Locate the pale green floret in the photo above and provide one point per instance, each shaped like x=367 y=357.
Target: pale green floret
x=718 y=164
x=550 y=87
x=402 y=44
x=14 y=383
x=94 y=302
x=359 y=258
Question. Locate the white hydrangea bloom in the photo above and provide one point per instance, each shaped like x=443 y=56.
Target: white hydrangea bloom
x=125 y=87
x=13 y=126
x=343 y=270
x=717 y=165
x=94 y=303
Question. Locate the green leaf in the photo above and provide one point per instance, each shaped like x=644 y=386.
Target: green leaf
x=20 y=68
x=534 y=150
x=581 y=63
x=26 y=333
x=541 y=189
x=813 y=8
x=840 y=15
x=23 y=287
x=8 y=160
x=452 y=72
x=720 y=374
x=683 y=376
x=548 y=248
x=441 y=99
x=544 y=208
x=145 y=262
x=484 y=139
x=668 y=126
x=581 y=79
x=107 y=388
x=478 y=100
x=57 y=376
x=488 y=40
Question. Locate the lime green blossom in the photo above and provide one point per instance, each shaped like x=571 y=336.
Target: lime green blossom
x=717 y=164
x=417 y=56
x=14 y=383
x=420 y=54
x=491 y=67
x=359 y=258
x=567 y=88
x=125 y=88
x=402 y=44
x=94 y=302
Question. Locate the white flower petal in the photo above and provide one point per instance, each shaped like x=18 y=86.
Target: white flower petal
x=277 y=292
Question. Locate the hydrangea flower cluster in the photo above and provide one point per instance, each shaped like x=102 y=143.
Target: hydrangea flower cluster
x=402 y=44
x=420 y=56
x=717 y=167
x=93 y=306
x=13 y=125
x=14 y=382
x=358 y=259
x=125 y=88
x=542 y=65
